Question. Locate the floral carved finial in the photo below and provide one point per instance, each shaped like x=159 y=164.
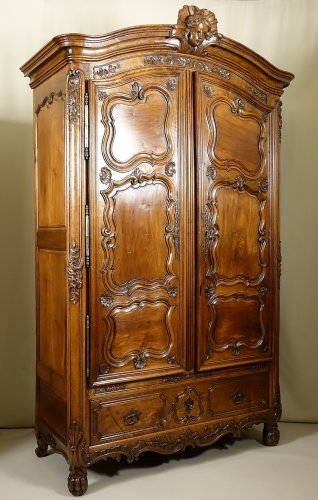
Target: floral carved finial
x=196 y=29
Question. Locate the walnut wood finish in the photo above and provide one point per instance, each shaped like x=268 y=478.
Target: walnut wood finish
x=158 y=250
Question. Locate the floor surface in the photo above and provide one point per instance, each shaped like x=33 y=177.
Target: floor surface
x=230 y=469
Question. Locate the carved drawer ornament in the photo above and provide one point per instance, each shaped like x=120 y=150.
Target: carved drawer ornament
x=75 y=272
x=188 y=406
x=196 y=29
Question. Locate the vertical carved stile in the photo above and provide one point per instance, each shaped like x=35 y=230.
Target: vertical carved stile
x=75 y=272
x=73 y=95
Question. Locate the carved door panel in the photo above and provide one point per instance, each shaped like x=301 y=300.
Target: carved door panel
x=138 y=324
x=233 y=241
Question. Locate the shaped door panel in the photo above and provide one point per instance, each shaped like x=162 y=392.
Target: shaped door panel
x=233 y=237
x=137 y=227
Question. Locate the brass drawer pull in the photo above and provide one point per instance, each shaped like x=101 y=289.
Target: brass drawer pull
x=131 y=417
x=238 y=397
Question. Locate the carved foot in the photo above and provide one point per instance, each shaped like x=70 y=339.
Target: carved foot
x=271 y=434
x=77 y=481
x=41 y=450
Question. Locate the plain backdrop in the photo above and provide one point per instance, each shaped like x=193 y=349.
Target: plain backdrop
x=283 y=31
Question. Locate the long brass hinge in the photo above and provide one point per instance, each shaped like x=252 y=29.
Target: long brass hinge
x=87 y=332
x=86 y=127
x=87 y=229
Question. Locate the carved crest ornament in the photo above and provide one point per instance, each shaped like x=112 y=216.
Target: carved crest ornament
x=196 y=29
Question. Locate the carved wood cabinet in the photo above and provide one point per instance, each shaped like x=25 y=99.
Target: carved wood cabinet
x=157 y=241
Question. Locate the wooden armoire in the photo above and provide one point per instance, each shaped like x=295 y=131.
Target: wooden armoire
x=157 y=241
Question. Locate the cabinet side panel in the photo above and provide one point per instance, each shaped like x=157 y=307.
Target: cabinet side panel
x=51 y=258
x=50 y=162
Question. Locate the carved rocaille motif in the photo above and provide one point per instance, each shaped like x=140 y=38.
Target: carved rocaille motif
x=170 y=169
x=171 y=85
x=208 y=91
x=75 y=272
x=239 y=184
x=102 y=94
x=211 y=172
x=105 y=70
x=137 y=91
x=140 y=361
x=73 y=95
x=173 y=291
x=171 y=359
x=263 y=185
x=48 y=100
x=257 y=93
x=106 y=300
x=196 y=29
x=186 y=62
x=105 y=175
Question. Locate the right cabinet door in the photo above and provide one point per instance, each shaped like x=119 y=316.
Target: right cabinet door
x=234 y=226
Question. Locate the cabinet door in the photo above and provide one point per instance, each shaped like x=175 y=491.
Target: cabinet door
x=234 y=226
x=137 y=189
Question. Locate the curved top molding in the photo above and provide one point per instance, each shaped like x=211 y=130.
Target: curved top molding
x=195 y=33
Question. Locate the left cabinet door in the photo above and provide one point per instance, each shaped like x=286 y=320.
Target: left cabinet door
x=136 y=190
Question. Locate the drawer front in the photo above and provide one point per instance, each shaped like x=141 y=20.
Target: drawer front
x=239 y=394
x=127 y=417
x=176 y=404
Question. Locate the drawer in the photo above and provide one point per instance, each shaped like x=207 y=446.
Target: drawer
x=239 y=394
x=127 y=417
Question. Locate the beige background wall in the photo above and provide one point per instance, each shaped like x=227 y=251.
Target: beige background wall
x=283 y=31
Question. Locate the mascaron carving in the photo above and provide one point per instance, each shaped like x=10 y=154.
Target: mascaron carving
x=196 y=29
x=75 y=272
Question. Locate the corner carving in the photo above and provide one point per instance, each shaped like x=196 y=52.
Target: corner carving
x=196 y=29
x=75 y=272
x=79 y=455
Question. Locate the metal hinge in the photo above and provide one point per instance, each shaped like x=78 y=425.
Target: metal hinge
x=87 y=332
x=86 y=130
x=87 y=259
